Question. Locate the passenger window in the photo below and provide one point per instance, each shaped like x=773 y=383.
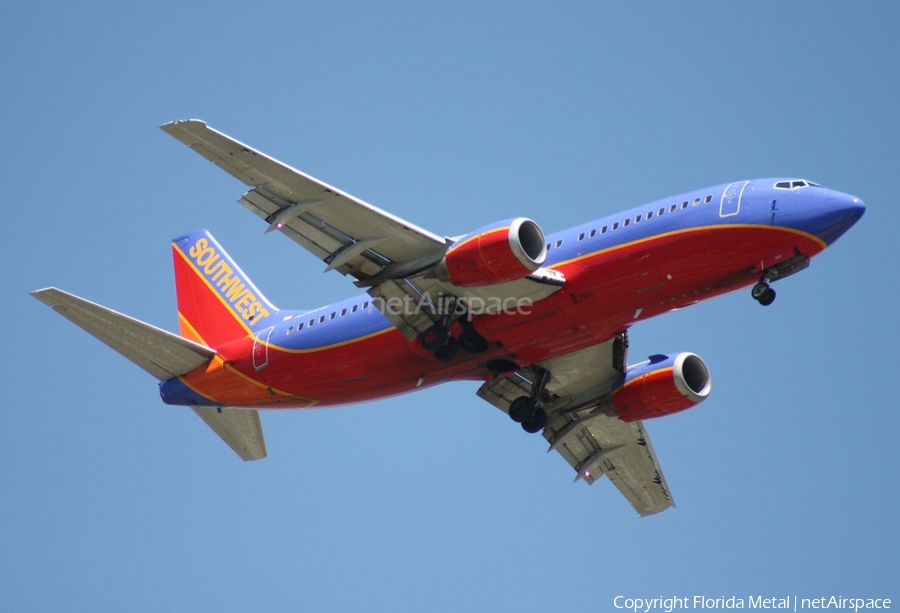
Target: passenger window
x=581 y=236
x=343 y=312
x=696 y=201
x=603 y=230
x=365 y=305
x=660 y=211
x=559 y=243
x=637 y=219
x=354 y=308
x=299 y=326
x=330 y=317
x=593 y=233
x=311 y=322
x=650 y=214
x=615 y=226
x=684 y=204
x=290 y=330
x=708 y=199
x=625 y=223
x=672 y=208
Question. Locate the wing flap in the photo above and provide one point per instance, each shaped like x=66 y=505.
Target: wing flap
x=241 y=430
x=162 y=354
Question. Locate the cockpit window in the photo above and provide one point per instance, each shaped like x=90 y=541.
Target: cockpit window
x=795 y=184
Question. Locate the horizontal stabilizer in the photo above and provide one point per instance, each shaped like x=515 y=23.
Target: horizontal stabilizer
x=162 y=354
x=239 y=428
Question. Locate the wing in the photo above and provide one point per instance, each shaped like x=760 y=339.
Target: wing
x=584 y=429
x=351 y=236
x=388 y=255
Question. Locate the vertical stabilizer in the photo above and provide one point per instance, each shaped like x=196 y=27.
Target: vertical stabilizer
x=217 y=302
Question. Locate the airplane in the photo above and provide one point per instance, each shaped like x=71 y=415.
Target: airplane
x=540 y=320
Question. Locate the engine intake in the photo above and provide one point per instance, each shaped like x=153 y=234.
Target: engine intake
x=498 y=253
x=662 y=386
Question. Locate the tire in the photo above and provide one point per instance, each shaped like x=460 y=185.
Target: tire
x=448 y=351
x=759 y=291
x=769 y=298
x=522 y=409
x=434 y=338
x=536 y=423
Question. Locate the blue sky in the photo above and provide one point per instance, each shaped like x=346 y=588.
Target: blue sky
x=451 y=115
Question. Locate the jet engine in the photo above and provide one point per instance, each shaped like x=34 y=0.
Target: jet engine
x=661 y=386
x=498 y=253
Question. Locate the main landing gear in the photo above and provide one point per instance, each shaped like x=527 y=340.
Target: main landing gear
x=762 y=293
x=439 y=340
x=526 y=410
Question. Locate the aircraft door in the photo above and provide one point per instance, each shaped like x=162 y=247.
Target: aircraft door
x=780 y=204
x=261 y=348
x=730 y=204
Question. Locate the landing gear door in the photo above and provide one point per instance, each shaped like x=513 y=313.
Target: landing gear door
x=731 y=199
x=261 y=348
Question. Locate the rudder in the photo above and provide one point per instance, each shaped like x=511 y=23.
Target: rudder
x=217 y=302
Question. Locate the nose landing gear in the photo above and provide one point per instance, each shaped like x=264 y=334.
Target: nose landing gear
x=762 y=293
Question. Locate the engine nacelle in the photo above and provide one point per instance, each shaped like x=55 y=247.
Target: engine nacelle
x=498 y=253
x=662 y=386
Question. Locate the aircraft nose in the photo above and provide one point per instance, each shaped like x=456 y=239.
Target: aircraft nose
x=857 y=208
x=842 y=211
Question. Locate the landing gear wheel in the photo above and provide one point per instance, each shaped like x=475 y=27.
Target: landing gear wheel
x=522 y=409
x=471 y=341
x=759 y=290
x=536 y=423
x=434 y=338
x=763 y=294
x=448 y=351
